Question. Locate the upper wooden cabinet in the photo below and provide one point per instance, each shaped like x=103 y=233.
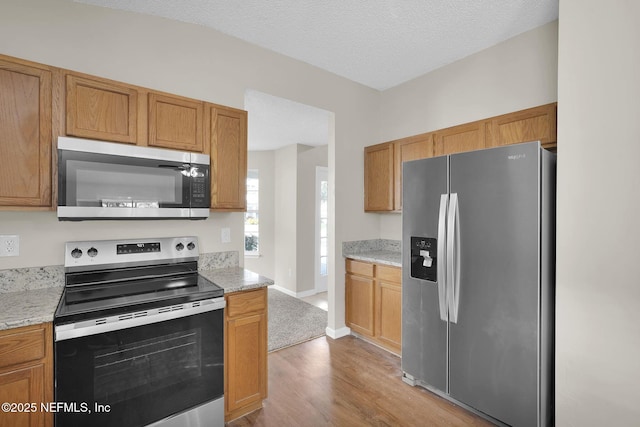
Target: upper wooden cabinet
x=227 y=135
x=378 y=177
x=101 y=109
x=533 y=124
x=406 y=149
x=381 y=186
x=175 y=122
x=467 y=137
x=25 y=134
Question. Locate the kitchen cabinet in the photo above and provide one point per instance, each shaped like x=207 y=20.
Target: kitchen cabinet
x=175 y=122
x=533 y=124
x=467 y=137
x=26 y=374
x=101 y=109
x=383 y=162
x=378 y=177
x=406 y=149
x=359 y=297
x=388 y=307
x=25 y=134
x=245 y=352
x=373 y=301
x=227 y=138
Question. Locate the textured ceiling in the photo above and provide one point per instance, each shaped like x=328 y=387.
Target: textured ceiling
x=378 y=43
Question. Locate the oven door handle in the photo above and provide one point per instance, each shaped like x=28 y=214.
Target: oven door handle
x=140 y=318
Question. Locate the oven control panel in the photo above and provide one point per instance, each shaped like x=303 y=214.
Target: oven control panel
x=93 y=254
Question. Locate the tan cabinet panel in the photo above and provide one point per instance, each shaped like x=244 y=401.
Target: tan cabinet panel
x=245 y=352
x=378 y=177
x=176 y=122
x=457 y=139
x=26 y=373
x=227 y=136
x=389 y=314
x=412 y=148
x=25 y=135
x=533 y=124
x=359 y=295
x=101 y=109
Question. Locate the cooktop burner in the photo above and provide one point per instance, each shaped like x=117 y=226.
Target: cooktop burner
x=115 y=277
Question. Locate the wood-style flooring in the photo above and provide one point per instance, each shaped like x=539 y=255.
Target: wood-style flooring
x=347 y=382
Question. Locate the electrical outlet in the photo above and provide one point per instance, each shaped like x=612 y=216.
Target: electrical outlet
x=225 y=235
x=9 y=245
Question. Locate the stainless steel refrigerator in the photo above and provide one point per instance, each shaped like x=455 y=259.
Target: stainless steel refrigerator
x=478 y=280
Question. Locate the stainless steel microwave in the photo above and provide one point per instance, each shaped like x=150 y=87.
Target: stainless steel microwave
x=104 y=180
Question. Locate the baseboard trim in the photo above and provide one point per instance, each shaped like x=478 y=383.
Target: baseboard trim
x=337 y=333
x=294 y=294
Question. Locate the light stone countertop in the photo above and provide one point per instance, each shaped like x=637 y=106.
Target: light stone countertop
x=379 y=251
x=30 y=307
x=235 y=279
x=378 y=257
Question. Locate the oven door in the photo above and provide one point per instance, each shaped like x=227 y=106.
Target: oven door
x=107 y=180
x=142 y=374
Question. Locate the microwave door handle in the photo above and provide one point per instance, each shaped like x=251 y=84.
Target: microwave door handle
x=185 y=168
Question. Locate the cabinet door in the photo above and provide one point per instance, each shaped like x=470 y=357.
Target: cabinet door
x=246 y=352
x=246 y=365
x=23 y=386
x=26 y=374
x=175 y=122
x=389 y=307
x=227 y=135
x=378 y=177
x=467 y=137
x=101 y=109
x=25 y=135
x=533 y=124
x=412 y=148
x=359 y=295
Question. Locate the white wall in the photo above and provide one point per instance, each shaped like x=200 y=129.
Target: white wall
x=306 y=202
x=286 y=183
x=264 y=162
x=516 y=74
x=194 y=61
x=598 y=273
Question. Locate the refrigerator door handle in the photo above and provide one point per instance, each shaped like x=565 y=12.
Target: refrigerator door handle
x=453 y=258
x=442 y=259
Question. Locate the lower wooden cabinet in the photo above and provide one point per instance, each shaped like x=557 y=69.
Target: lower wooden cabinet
x=245 y=383
x=374 y=302
x=26 y=374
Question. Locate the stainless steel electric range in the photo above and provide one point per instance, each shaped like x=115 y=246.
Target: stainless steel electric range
x=138 y=336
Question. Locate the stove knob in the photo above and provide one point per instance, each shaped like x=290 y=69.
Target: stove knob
x=179 y=246
x=191 y=246
x=92 y=252
x=76 y=253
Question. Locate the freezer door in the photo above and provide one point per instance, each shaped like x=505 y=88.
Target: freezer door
x=424 y=333
x=494 y=343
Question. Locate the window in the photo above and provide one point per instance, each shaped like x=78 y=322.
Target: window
x=251 y=221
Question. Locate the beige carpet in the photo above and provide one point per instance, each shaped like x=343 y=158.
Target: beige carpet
x=292 y=321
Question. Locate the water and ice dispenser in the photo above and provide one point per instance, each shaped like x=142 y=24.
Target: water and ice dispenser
x=424 y=258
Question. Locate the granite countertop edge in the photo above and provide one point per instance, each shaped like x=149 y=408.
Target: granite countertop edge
x=378 y=257
x=34 y=306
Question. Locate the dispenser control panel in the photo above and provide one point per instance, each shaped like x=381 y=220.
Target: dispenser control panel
x=424 y=258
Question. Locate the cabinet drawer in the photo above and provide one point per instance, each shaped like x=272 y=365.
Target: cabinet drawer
x=246 y=302
x=21 y=345
x=359 y=267
x=388 y=273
